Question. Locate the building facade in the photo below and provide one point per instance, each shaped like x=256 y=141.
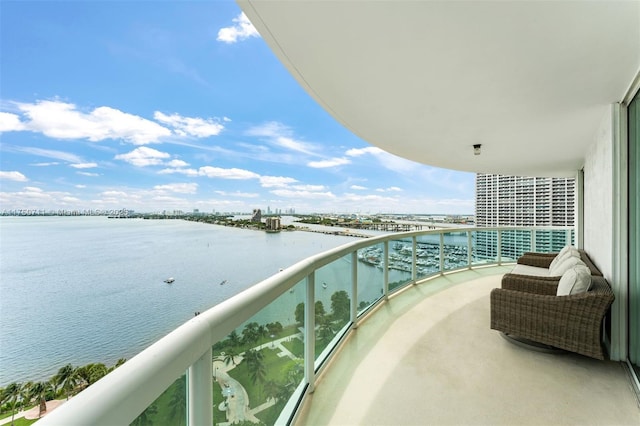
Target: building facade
x=522 y=201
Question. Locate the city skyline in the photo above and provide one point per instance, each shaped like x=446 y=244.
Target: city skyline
x=181 y=106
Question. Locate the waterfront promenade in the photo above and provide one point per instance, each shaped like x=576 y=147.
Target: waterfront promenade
x=236 y=404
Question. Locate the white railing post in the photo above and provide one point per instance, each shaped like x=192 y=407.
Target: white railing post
x=533 y=240
x=441 y=253
x=354 y=289
x=469 y=250
x=385 y=285
x=414 y=260
x=200 y=394
x=310 y=332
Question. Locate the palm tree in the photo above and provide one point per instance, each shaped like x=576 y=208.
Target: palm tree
x=262 y=332
x=178 y=402
x=230 y=356
x=39 y=395
x=234 y=339
x=66 y=379
x=257 y=372
x=11 y=393
x=144 y=419
x=250 y=333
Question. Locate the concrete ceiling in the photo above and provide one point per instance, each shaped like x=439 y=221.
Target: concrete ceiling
x=426 y=80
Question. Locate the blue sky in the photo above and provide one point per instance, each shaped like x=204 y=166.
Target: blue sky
x=156 y=106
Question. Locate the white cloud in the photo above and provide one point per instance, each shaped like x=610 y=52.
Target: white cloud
x=189 y=126
x=181 y=188
x=288 y=193
x=143 y=157
x=14 y=176
x=275 y=181
x=333 y=162
x=52 y=163
x=84 y=165
x=390 y=189
x=238 y=194
x=270 y=129
x=233 y=173
x=357 y=152
x=241 y=29
x=62 y=120
x=186 y=172
x=50 y=153
x=10 y=122
x=88 y=174
x=358 y=187
x=177 y=163
x=81 y=186
x=315 y=188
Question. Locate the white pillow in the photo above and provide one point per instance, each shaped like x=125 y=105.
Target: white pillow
x=564 y=264
x=566 y=252
x=575 y=280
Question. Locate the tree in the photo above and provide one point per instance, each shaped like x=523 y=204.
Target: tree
x=230 y=356
x=66 y=379
x=257 y=372
x=11 y=393
x=39 y=396
x=234 y=339
x=299 y=315
x=178 y=402
x=250 y=333
x=326 y=330
x=320 y=312
x=262 y=332
x=340 y=306
x=144 y=419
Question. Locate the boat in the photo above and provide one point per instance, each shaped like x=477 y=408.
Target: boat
x=223 y=282
x=324 y=285
x=169 y=280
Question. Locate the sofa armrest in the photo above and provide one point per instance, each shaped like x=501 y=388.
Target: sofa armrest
x=531 y=284
x=537 y=259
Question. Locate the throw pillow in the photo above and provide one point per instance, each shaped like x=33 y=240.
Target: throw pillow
x=564 y=264
x=566 y=252
x=575 y=280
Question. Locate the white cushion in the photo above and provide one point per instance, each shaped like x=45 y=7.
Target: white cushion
x=530 y=270
x=564 y=264
x=575 y=280
x=567 y=251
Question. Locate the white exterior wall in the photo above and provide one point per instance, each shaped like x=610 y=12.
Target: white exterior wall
x=598 y=197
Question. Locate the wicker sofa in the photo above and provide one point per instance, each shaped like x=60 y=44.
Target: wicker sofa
x=527 y=307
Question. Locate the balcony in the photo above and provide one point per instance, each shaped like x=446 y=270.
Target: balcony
x=387 y=330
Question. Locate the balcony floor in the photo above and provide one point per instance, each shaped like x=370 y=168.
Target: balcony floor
x=428 y=357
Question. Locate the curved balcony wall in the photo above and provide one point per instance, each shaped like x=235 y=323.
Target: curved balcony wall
x=255 y=356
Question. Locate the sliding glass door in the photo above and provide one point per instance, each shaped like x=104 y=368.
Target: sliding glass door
x=634 y=233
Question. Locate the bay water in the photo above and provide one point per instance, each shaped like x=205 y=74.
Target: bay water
x=91 y=289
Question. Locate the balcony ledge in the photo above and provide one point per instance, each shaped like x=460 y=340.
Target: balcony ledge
x=428 y=356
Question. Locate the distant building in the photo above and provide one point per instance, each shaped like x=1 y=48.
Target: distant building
x=256 y=216
x=273 y=224
x=522 y=201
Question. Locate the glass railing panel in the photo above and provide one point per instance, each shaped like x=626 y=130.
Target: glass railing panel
x=456 y=250
x=484 y=247
x=170 y=408
x=332 y=301
x=552 y=241
x=514 y=243
x=259 y=365
x=428 y=255
x=370 y=276
x=400 y=263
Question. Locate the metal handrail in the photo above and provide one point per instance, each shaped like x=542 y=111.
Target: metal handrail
x=122 y=395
